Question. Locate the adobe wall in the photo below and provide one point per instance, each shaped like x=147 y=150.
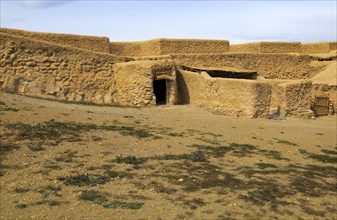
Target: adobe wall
x=247 y=98
x=270 y=66
x=267 y=47
x=134 y=82
x=41 y=69
x=295 y=98
x=275 y=92
x=92 y=43
x=322 y=47
x=137 y=49
x=168 y=46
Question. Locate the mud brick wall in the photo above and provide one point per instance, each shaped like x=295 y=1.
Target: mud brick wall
x=92 y=43
x=322 y=47
x=50 y=71
x=134 y=82
x=239 y=98
x=295 y=98
x=267 y=47
x=137 y=49
x=270 y=66
x=168 y=46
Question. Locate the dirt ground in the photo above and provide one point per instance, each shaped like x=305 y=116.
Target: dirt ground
x=69 y=161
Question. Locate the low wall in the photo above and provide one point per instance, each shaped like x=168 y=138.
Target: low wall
x=294 y=98
x=322 y=47
x=270 y=66
x=233 y=97
x=134 y=82
x=92 y=43
x=275 y=92
x=137 y=49
x=41 y=69
x=168 y=46
x=267 y=47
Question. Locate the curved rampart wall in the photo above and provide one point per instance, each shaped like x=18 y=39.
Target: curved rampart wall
x=92 y=43
x=41 y=69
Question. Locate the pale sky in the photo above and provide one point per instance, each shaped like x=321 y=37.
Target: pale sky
x=236 y=21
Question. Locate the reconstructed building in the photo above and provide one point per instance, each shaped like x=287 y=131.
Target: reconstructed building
x=260 y=79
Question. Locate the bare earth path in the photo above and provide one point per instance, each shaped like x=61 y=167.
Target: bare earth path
x=68 y=161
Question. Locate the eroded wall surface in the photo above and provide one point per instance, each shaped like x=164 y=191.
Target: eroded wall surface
x=247 y=98
x=92 y=43
x=294 y=98
x=46 y=70
x=168 y=46
x=267 y=47
x=134 y=82
x=270 y=66
x=321 y=47
x=137 y=49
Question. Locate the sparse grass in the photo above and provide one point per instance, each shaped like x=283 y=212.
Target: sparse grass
x=257 y=196
x=84 y=180
x=21 y=190
x=242 y=150
x=276 y=155
x=67 y=156
x=208 y=141
x=64 y=158
x=96 y=138
x=2 y=103
x=98 y=198
x=195 y=203
x=129 y=160
x=265 y=165
x=304 y=152
x=50 y=190
x=197 y=156
x=92 y=196
x=323 y=158
x=159 y=188
x=21 y=206
x=121 y=204
x=70 y=131
x=175 y=134
x=224 y=191
x=52 y=166
x=329 y=152
x=115 y=174
x=7 y=147
x=36 y=147
x=286 y=142
x=216 y=151
x=4 y=109
x=54 y=203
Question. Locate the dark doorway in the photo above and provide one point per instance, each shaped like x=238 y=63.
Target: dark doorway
x=159 y=90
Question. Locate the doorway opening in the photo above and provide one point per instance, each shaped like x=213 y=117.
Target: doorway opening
x=159 y=90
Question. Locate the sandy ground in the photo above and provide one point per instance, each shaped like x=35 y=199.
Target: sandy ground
x=68 y=161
